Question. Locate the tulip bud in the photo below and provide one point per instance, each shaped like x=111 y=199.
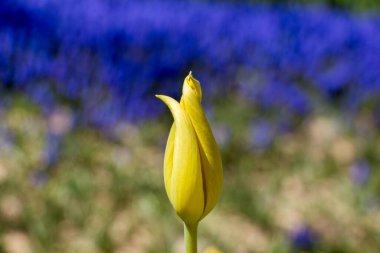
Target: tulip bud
x=193 y=172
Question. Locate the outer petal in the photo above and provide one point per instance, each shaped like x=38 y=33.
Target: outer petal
x=186 y=186
x=210 y=157
x=168 y=160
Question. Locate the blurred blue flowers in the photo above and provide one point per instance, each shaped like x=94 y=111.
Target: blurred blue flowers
x=106 y=58
x=360 y=172
x=304 y=238
x=261 y=135
x=59 y=122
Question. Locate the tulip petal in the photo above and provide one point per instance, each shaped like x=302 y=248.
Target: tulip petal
x=186 y=184
x=168 y=159
x=210 y=157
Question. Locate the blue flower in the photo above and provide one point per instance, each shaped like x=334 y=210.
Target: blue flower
x=360 y=173
x=304 y=238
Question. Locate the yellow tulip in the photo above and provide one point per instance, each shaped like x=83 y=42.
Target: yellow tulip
x=193 y=172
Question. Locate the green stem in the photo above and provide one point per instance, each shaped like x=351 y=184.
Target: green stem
x=191 y=237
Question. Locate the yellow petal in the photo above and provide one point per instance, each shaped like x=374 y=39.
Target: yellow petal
x=186 y=186
x=168 y=160
x=192 y=86
x=210 y=157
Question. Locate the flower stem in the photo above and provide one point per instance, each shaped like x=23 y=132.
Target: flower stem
x=191 y=237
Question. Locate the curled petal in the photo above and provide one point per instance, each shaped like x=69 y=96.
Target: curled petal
x=185 y=189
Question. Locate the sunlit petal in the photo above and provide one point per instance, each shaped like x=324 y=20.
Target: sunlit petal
x=186 y=186
x=210 y=157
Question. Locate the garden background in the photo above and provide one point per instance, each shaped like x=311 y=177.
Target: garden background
x=291 y=89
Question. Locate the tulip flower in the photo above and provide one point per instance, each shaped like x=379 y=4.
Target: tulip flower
x=193 y=172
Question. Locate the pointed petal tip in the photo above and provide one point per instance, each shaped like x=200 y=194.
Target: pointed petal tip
x=161 y=97
x=194 y=85
x=170 y=102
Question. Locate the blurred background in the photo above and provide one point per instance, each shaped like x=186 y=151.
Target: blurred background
x=291 y=89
